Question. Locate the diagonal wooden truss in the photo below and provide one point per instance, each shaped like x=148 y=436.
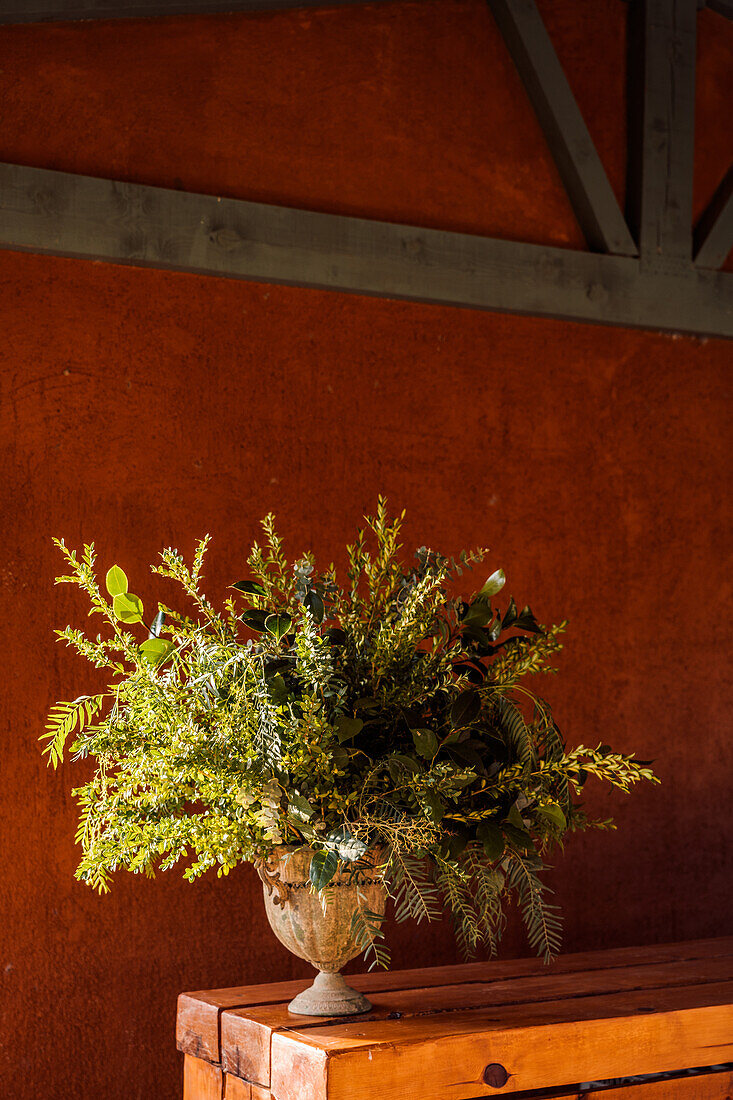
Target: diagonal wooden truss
x=645 y=267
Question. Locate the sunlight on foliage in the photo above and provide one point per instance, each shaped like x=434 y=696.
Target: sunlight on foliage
x=384 y=713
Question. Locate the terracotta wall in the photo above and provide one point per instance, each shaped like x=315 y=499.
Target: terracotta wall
x=142 y=408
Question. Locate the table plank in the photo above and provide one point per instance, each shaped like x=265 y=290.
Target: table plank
x=198 y=1020
x=541 y=1045
x=705 y=1086
x=246 y=1034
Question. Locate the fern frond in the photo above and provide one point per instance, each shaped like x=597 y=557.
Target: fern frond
x=367 y=934
x=516 y=730
x=454 y=886
x=63 y=719
x=541 y=919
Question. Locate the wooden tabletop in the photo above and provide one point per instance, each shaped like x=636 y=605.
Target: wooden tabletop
x=483 y=1029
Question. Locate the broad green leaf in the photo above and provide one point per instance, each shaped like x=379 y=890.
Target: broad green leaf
x=340 y=756
x=426 y=742
x=492 y=839
x=323 y=867
x=346 y=727
x=510 y=614
x=553 y=813
x=116 y=581
x=398 y=763
x=478 y=614
x=254 y=619
x=520 y=838
x=250 y=588
x=465 y=709
x=514 y=817
x=315 y=605
x=128 y=608
x=278 y=625
x=300 y=807
x=526 y=621
x=348 y=847
x=433 y=806
x=155 y=650
x=366 y=702
x=494 y=630
x=456 y=846
x=494 y=584
x=277 y=690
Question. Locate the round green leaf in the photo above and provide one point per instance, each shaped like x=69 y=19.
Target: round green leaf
x=155 y=650
x=128 y=608
x=554 y=814
x=346 y=727
x=116 y=581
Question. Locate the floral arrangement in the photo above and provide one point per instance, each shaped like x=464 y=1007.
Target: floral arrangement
x=386 y=713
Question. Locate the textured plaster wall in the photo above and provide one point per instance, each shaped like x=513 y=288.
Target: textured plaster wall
x=142 y=408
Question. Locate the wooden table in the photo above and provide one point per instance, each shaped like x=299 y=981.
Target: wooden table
x=484 y=1029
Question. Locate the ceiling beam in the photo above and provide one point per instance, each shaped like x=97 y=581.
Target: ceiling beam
x=48 y=11
x=723 y=7
x=583 y=176
x=67 y=215
x=662 y=43
x=714 y=231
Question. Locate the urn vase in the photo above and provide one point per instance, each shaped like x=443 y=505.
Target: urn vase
x=320 y=928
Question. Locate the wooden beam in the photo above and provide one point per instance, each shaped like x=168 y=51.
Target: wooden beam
x=96 y=219
x=662 y=37
x=571 y=145
x=714 y=231
x=48 y=11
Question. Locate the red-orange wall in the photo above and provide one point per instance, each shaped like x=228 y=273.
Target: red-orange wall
x=142 y=408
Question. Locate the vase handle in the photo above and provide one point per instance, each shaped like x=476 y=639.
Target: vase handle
x=272 y=881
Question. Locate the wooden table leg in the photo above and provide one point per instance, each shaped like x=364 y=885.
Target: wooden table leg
x=201 y=1080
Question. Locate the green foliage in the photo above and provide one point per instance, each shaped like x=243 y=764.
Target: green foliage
x=387 y=714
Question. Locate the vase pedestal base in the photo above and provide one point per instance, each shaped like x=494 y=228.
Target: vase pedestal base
x=329 y=996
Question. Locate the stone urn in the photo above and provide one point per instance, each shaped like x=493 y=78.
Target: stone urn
x=319 y=928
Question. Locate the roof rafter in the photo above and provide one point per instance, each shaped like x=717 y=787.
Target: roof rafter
x=583 y=176
x=714 y=231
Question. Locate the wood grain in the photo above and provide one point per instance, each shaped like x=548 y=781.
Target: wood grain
x=246 y=1034
x=70 y=215
x=707 y=1086
x=201 y=1080
x=236 y=1089
x=44 y=11
x=542 y=1045
x=662 y=118
x=584 y=178
x=198 y=1012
